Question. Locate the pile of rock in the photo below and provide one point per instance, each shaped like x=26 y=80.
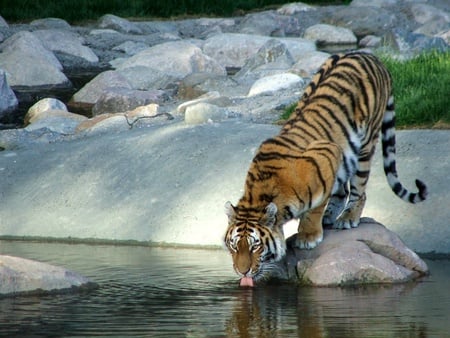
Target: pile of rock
x=200 y=69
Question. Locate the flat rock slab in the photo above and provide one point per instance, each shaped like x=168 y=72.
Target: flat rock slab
x=19 y=275
x=365 y=255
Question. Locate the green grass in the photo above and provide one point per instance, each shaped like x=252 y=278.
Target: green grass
x=82 y=10
x=421 y=90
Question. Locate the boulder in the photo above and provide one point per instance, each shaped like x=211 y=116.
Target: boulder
x=361 y=20
x=233 y=50
x=266 y=23
x=8 y=100
x=19 y=275
x=56 y=121
x=273 y=83
x=66 y=42
x=423 y=13
x=28 y=63
x=327 y=34
x=114 y=22
x=367 y=254
x=176 y=59
x=50 y=23
x=147 y=78
x=294 y=8
x=374 y=3
x=120 y=100
x=92 y=90
x=42 y=106
x=309 y=63
x=273 y=57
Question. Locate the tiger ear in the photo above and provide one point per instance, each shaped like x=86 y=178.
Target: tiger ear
x=269 y=219
x=230 y=210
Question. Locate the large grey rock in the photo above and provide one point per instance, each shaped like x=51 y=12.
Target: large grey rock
x=233 y=50
x=374 y=3
x=119 y=100
x=92 y=90
x=266 y=23
x=424 y=13
x=362 y=20
x=119 y=24
x=273 y=57
x=67 y=42
x=328 y=34
x=365 y=255
x=50 y=23
x=19 y=275
x=28 y=63
x=273 y=83
x=176 y=59
x=8 y=100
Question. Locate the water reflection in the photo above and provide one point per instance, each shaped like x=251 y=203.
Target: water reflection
x=155 y=292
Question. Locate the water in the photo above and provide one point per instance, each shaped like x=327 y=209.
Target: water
x=167 y=292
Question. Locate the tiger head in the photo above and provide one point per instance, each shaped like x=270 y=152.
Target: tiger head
x=254 y=239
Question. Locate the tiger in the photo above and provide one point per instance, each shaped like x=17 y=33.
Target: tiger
x=317 y=168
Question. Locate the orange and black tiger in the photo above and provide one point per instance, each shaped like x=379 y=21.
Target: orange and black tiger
x=316 y=169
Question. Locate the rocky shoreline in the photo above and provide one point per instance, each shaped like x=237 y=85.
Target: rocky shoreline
x=207 y=69
x=170 y=82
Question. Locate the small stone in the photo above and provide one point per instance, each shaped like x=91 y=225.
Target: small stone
x=271 y=84
x=204 y=112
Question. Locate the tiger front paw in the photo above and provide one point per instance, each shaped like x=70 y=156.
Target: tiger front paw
x=307 y=241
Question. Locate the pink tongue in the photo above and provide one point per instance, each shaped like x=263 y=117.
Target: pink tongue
x=247 y=281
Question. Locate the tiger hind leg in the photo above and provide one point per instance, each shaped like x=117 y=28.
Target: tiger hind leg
x=335 y=206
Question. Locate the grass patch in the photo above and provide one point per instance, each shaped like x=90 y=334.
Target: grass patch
x=421 y=90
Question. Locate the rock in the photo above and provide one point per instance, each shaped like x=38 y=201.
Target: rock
x=434 y=28
x=41 y=107
x=131 y=47
x=294 y=8
x=56 y=121
x=8 y=100
x=365 y=255
x=362 y=20
x=105 y=123
x=110 y=21
x=176 y=59
x=267 y=23
x=370 y=41
x=203 y=112
x=326 y=34
x=233 y=50
x=51 y=23
x=274 y=83
x=273 y=57
x=147 y=78
x=309 y=64
x=28 y=63
x=92 y=90
x=120 y=100
x=19 y=275
x=3 y=23
x=374 y=3
x=67 y=42
x=423 y=13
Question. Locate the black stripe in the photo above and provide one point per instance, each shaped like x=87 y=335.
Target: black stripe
x=313 y=161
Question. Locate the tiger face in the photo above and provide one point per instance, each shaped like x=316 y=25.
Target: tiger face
x=254 y=241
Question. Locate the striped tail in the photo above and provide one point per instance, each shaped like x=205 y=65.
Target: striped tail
x=390 y=170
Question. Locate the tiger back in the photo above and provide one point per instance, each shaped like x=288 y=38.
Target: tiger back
x=317 y=168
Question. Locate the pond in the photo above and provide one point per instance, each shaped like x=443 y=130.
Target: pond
x=174 y=292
